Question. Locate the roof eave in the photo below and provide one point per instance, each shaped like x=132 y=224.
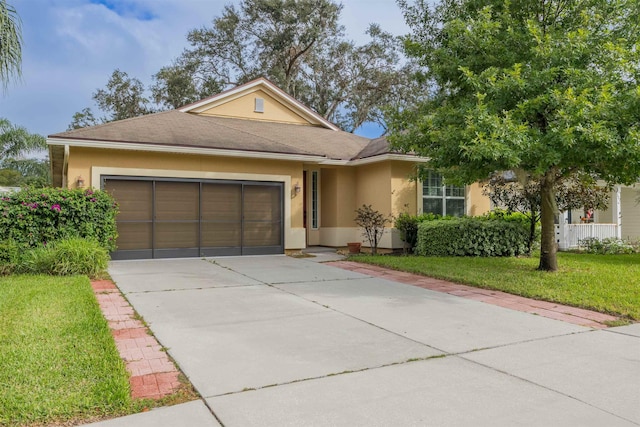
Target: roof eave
x=136 y=146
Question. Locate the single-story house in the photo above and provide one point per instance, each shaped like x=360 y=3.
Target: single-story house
x=248 y=171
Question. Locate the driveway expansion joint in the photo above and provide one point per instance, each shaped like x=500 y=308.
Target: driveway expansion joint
x=550 y=389
x=333 y=374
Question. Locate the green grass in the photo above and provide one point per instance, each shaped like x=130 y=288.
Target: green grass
x=605 y=283
x=58 y=361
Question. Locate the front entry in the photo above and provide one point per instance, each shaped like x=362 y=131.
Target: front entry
x=169 y=218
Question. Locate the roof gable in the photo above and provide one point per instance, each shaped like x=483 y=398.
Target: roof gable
x=243 y=102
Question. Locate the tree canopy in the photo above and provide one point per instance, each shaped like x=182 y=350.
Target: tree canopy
x=16 y=167
x=300 y=45
x=544 y=88
x=10 y=44
x=123 y=97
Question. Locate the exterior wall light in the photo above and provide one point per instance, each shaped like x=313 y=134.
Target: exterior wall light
x=80 y=182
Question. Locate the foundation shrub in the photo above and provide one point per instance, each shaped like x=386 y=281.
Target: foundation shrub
x=472 y=237
x=609 y=246
x=67 y=257
x=9 y=256
x=34 y=217
x=407 y=226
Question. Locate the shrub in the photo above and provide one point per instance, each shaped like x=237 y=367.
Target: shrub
x=33 y=217
x=37 y=260
x=9 y=256
x=471 y=237
x=407 y=226
x=67 y=257
x=608 y=246
x=373 y=223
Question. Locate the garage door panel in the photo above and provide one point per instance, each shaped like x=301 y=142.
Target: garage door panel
x=135 y=199
x=262 y=234
x=134 y=235
x=177 y=201
x=262 y=203
x=215 y=234
x=176 y=235
x=221 y=202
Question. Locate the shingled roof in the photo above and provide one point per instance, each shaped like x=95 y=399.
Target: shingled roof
x=178 y=129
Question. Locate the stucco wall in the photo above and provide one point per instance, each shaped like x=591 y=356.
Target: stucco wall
x=373 y=187
x=86 y=161
x=477 y=203
x=404 y=190
x=244 y=107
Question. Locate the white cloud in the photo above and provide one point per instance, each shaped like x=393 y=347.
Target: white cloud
x=72 y=47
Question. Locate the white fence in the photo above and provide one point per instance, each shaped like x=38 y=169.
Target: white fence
x=568 y=236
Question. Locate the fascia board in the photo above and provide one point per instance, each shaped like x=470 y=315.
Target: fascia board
x=184 y=150
x=384 y=157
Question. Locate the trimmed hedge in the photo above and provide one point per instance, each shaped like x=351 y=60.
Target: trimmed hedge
x=34 y=217
x=472 y=237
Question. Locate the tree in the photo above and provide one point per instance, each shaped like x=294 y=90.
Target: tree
x=122 y=98
x=83 y=119
x=578 y=191
x=301 y=47
x=10 y=44
x=545 y=88
x=16 y=144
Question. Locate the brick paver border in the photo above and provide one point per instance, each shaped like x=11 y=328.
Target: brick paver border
x=577 y=316
x=153 y=375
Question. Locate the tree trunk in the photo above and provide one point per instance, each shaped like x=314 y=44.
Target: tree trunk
x=548 y=248
x=532 y=231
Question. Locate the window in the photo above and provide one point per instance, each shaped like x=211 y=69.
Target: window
x=441 y=199
x=314 y=199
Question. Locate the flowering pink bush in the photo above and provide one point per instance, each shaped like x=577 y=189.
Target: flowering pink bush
x=32 y=216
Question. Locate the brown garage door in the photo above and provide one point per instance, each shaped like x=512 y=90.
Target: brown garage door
x=163 y=218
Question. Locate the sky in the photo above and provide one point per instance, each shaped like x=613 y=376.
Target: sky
x=71 y=47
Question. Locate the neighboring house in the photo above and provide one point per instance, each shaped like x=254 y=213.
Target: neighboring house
x=8 y=190
x=621 y=220
x=248 y=171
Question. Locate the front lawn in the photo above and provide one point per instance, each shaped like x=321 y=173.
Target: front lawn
x=58 y=361
x=605 y=283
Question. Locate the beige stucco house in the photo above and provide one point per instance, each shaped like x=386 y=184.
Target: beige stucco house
x=248 y=171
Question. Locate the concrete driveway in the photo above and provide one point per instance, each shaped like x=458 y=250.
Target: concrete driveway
x=274 y=340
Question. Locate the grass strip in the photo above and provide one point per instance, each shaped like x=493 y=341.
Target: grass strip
x=605 y=283
x=58 y=361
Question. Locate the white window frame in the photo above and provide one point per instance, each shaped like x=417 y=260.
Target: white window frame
x=314 y=202
x=443 y=196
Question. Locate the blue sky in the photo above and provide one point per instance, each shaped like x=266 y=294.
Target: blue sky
x=71 y=47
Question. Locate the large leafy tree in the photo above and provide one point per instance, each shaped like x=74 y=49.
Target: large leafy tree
x=301 y=47
x=10 y=44
x=123 y=97
x=545 y=88
x=17 y=144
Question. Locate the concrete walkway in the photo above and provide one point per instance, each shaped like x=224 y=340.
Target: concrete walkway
x=280 y=341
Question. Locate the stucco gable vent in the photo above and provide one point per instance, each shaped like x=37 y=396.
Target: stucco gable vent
x=259 y=105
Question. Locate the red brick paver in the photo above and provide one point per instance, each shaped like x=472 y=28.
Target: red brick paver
x=153 y=375
x=577 y=316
